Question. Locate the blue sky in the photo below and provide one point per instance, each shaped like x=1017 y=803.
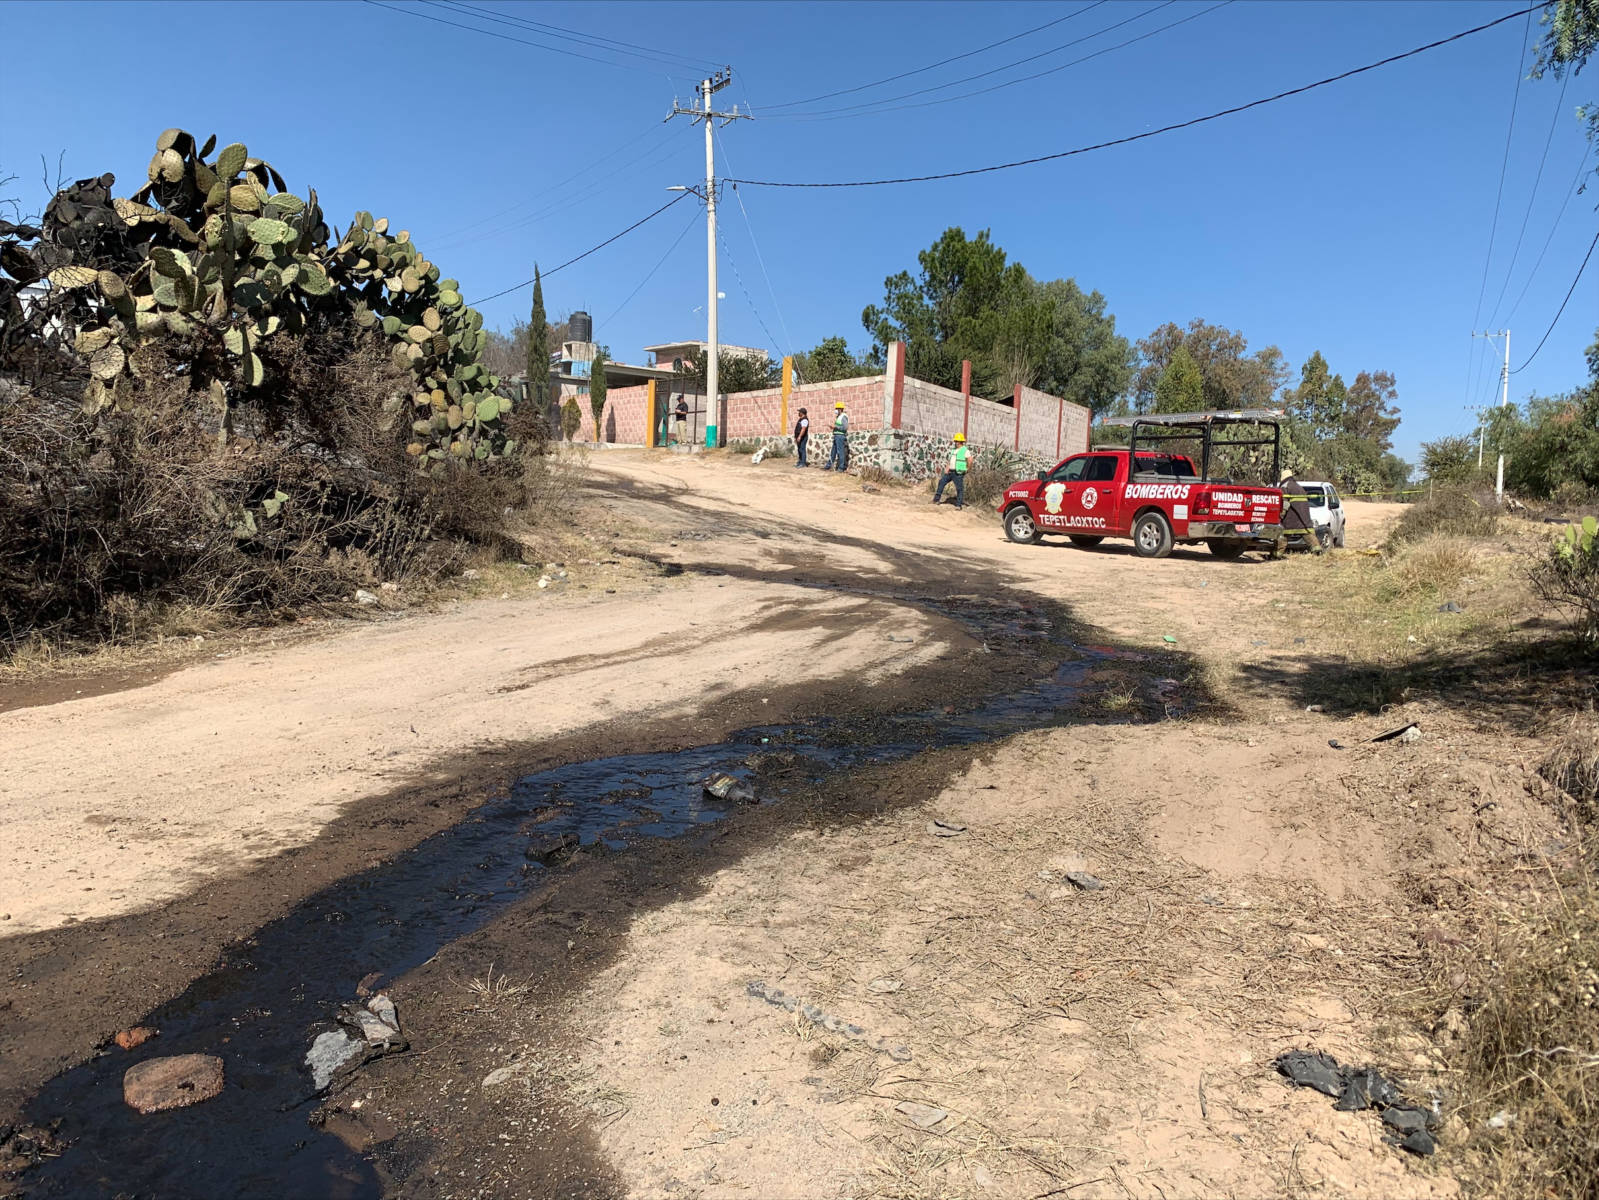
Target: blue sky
x=1354 y=220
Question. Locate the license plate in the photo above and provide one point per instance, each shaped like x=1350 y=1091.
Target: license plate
x=1244 y=528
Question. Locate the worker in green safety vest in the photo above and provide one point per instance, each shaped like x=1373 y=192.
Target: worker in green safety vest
x=955 y=472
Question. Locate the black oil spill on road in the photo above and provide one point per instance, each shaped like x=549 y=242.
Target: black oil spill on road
x=261 y=1008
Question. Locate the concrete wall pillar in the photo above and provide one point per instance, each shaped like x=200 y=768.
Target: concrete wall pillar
x=966 y=396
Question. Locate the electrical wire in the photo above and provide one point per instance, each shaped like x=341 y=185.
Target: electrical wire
x=943 y=62
x=678 y=241
x=748 y=299
x=579 y=258
x=760 y=258
x=1532 y=197
x=1574 y=189
x=538 y=196
x=504 y=37
x=873 y=105
x=1569 y=293
x=592 y=40
x=593 y=188
x=1148 y=133
x=1036 y=74
x=1504 y=164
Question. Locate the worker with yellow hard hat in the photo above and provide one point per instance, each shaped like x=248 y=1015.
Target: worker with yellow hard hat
x=955 y=472
x=839 y=458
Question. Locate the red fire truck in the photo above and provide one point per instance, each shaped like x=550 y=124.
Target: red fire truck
x=1149 y=492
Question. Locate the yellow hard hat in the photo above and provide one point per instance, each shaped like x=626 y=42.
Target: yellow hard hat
x=838 y=404
x=960 y=437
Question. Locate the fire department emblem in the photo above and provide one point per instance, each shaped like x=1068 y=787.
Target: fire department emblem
x=1052 y=497
x=1090 y=497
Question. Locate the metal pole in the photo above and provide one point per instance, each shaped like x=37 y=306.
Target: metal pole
x=1504 y=401
x=713 y=353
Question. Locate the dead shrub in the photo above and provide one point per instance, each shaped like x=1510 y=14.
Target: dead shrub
x=1531 y=1049
x=1434 y=565
x=880 y=476
x=1450 y=511
x=1568 y=578
x=108 y=521
x=1573 y=765
x=985 y=485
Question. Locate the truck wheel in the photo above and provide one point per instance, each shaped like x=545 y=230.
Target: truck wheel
x=1226 y=549
x=1019 y=526
x=1152 y=536
x=1085 y=539
x=1338 y=542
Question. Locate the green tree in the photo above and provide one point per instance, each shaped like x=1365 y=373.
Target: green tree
x=1370 y=409
x=1449 y=460
x=1181 y=388
x=734 y=372
x=1233 y=378
x=1086 y=360
x=1570 y=39
x=538 y=350
x=571 y=418
x=967 y=302
x=831 y=359
x=1551 y=444
x=597 y=389
x=1320 y=401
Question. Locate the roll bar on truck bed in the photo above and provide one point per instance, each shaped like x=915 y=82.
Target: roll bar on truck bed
x=1152 y=429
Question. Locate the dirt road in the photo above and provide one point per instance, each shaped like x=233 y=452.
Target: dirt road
x=1107 y=1043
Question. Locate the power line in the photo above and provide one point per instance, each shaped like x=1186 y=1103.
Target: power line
x=1138 y=137
x=872 y=105
x=614 y=237
x=593 y=40
x=1036 y=74
x=943 y=62
x=1574 y=189
x=504 y=37
x=1531 y=197
x=748 y=299
x=760 y=258
x=693 y=219
x=542 y=193
x=1569 y=293
x=1504 y=163
x=587 y=192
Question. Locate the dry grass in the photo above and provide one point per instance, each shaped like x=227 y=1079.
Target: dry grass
x=1531 y=1051
x=880 y=476
x=490 y=992
x=1436 y=565
x=1448 y=511
x=1572 y=765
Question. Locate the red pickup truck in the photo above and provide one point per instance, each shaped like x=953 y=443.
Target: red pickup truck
x=1156 y=498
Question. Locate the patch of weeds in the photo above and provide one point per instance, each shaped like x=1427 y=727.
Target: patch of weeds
x=1573 y=766
x=1451 y=511
x=881 y=476
x=1530 y=1054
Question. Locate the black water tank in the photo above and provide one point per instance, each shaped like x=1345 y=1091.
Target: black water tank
x=582 y=327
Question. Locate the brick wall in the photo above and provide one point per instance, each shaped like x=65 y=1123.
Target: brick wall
x=759 y=414
x=624 y=420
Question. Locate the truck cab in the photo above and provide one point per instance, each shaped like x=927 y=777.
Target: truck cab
x=1156 y=497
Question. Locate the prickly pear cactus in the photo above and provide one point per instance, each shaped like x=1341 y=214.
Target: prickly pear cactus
x=455 y=411
x=218 y=250
x=1577 y=543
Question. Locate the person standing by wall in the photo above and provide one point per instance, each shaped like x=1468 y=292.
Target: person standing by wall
x=840 y=452
x=680 y=420
x=955 y=472
x=802 y=437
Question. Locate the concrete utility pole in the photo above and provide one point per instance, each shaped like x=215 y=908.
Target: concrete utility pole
x=708 y=88
x=1504 y=402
